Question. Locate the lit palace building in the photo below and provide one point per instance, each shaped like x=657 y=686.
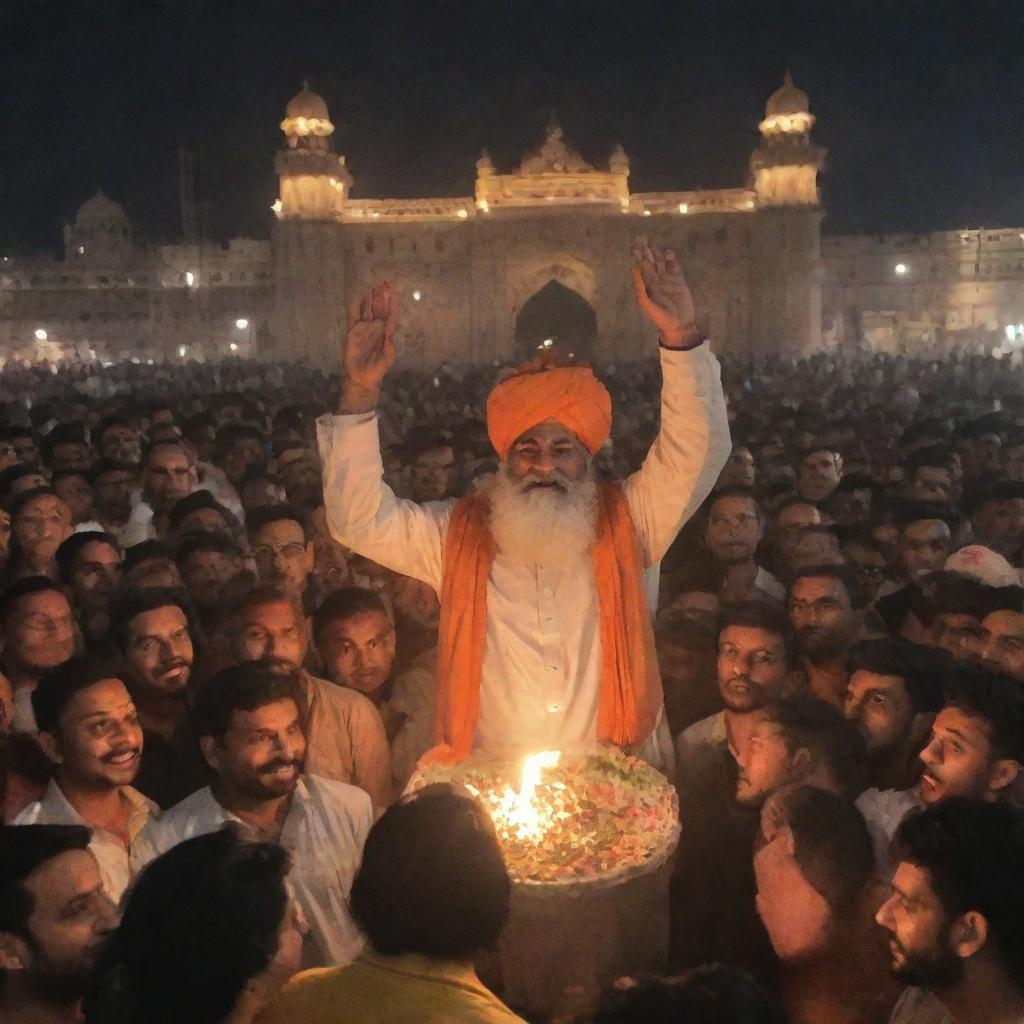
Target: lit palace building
x=537 y=253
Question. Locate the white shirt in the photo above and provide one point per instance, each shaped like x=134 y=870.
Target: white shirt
x=118 y=866
x=883 y=810
x=541 y=679
x=324 y=831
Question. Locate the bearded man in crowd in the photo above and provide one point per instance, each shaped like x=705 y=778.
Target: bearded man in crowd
x=544 y=574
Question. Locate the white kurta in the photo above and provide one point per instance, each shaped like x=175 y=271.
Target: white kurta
x=541 y=679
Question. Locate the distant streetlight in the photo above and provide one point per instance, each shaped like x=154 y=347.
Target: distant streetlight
x=182 y=350
x=900 y=269
x=241 y=323
x=233 y=346
x=417 y=295
x=190 y=278
x=41 y=335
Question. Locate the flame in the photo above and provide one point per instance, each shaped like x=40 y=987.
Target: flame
x=516 y=812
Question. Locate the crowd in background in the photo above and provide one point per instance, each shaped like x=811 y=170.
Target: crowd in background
x=184 y=645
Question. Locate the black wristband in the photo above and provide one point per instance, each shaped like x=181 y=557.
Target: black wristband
x=683 y=348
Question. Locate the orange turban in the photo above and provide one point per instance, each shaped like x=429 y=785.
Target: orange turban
x=571 y=395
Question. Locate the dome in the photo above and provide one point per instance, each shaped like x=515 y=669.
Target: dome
x=787 y=100
x=100 y=209
x=307 y=104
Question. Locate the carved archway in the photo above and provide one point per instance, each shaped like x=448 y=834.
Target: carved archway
x=558 y=319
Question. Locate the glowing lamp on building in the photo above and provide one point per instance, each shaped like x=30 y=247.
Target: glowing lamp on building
x=1011 y=332
x=190 y=278
x=241 y=323
x=233 y=346
x=417 y=295
x=463 y=214
x=182 y=349
x=900 y=269
x=647 y=213
x=40 y=334
x=81 y=250
x=276 y=206
x=684 y=207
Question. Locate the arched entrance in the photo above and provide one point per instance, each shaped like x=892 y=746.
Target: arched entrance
x=556 y=319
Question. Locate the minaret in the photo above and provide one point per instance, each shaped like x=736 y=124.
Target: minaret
x=314 y=181
x=785 y=165
x=785 y=241
x=308 y=239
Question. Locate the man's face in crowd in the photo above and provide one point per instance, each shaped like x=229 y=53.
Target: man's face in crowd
x=924 y=546
x=752 y=668
x=932 y=483
x=434 y=474
x=95 y=577
x=204 y=520
x=851 y=507
x=112 y=495
x=734 y=529
x=959 y=760
x=548 y=456
x=1002 y=643
x=42 y=526
x=76 y=493
x=155 y=572
x=26 y=452
x=258 y=493
x=1013 y=462
x=980 y=454
x=1000 y=525
x=100 y=740
x=796 y=916
x=283 y=556
x=765 y=765
x=168 y=477
x=71 y=455
x=359 y=652
x=700 y=605
x=272 y=630
x=159 y=651
x=824 y=622
x=6 y=705
x=39 y=632
x=206 y=573
x=262 y=755
x=959 y=634
x=8 y=455
x=819 y=474
x=880 y=708
x=28 y=482
x=815 y=548
x=122 y=444
x=299 y=472
x=869 y=565
x=788 y=524
x=239 y=456
x=920 y=932
x=739 y=469
x=70 y=920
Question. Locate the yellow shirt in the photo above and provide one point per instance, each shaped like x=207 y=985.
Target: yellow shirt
x=409 y=989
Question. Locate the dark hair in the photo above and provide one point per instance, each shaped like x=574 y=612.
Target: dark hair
x=922 y=678
x=28 y=496
x=917 y=511
x=433 y=880
x=200 y=541
x=101 y=467
x=999 y=490
x=199 y=923
x=24 y=849
x=63 y=474
x=244 y=687
x=764 y=616
x=166 y=443
x=831 y=844
x=267 y=593
x=144 y=551
x=713 y=994
x=843 y=573
x=23 y=588
x=260 y=517
x=934 y=457
x=790 y=502
x=735 y=491
x=12 y=474
x=820 y=728
x=58 y=686
x=823 y=528
x=136 y=601
x=679 y=630
x=105 y=424
x=973 y=852
x=999 y=699
x=345 y=603
x=71 y=548
x=192 y=503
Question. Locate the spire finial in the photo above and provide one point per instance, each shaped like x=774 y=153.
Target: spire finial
x=554 y=126
x=787 y=78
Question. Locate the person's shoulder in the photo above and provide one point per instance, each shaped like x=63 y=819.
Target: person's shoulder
x=340 y=697
x=919 y=1006
x=186 y=811
x=342 y=796
x=309 y=997
x=707 y=732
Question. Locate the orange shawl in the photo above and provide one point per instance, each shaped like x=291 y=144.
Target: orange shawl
x=631 y=695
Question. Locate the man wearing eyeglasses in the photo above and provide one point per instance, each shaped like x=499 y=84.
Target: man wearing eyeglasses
x=283 y=550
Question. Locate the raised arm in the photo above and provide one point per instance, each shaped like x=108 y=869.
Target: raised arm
x=693 y=441
x=363 y=513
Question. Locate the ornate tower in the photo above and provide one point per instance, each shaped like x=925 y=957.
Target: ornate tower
x=314 y=181
x=785 y=166
x=785 y=256
x=308 y=242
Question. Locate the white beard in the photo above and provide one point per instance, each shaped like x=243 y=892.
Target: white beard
x=543 y=526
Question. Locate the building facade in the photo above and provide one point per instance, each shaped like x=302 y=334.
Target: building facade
x=538 y=256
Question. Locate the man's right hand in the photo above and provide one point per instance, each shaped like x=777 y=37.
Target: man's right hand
x=368 y=351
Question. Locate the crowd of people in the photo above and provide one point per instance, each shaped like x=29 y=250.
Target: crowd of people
x=211 y=706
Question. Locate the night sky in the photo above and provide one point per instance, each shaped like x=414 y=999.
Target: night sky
x=920 y=104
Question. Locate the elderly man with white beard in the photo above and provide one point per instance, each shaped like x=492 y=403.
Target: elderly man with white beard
x=547 y=577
